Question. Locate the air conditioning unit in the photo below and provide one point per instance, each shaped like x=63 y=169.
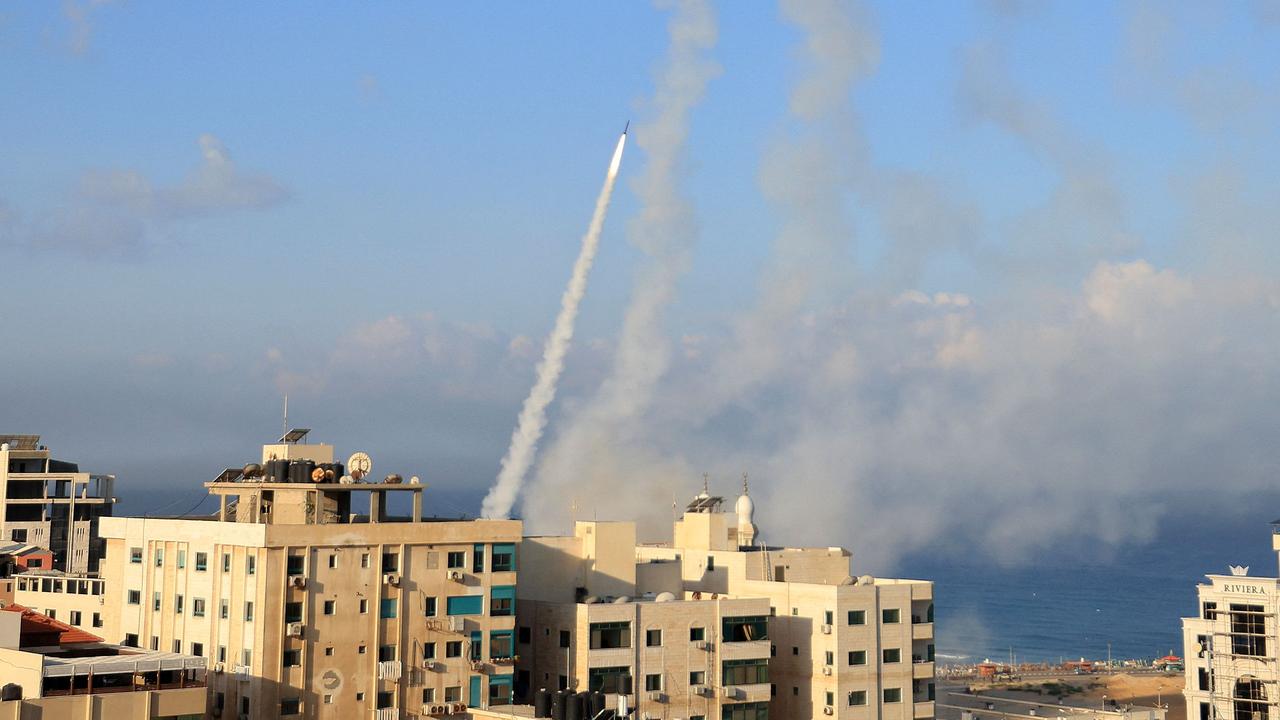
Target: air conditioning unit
x=298 y=581
x=729 y=692
x=477 y=665
x=218 y=668
x=392 y=579
x=703 y=645
x=828 y=710
x=455 y=575
x=459 y=707
x=436 y=710
x=432 y=665
x=655 y=695
x=294 y=629
x=699 y=689
x=826 y=669
x=826 y=629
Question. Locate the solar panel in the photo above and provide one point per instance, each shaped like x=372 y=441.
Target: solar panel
x=21 y=442
x=295 y=435
x=229 y=475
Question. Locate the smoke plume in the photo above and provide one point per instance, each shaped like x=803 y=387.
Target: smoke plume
x=533 y=415
x=601 y=439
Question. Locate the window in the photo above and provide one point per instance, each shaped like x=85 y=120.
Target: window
x=387 y=608
x=891 y=655
x=610 y=635
x=746 y=629
x=197 y=649
x=360 y=649
x=359 y=697
x=197 y=607
x=500 y=687
x=465 y=605
x=477 y=559
x=182 y=559
x=697 y=634
x=131 y=640
x=745 y=672
x=222 y=653
x=890 y=617
x=330 y=606
x=711 y=563
x=746 y=711
x=1210 y=610
x=828 y=618
x=226 y=562
x=290 y=706
x=653 y=682
x=858 y=697
x=829 y=659
x=429 y=651
x=293 y=612
x=453 y=649
x=503 y=558
x=364 y=606
x=429 y=607
x=1248 y=630
x=155 y=601
x=333 y=560
x=295 y=565
x=202 y=562
x=525 y=635
x=155 y=643
x=159 y=557
x=390 y=562
x=564 y=638
x=830 y=698
x=653 y=638
x=251 y=564
x=177 y=604
x=248 y=612
x=428 y=695
x=224 y=609
x=457 y=559
x=501 y=645
x=893 y=695
x=328 y=699
x=476 y=645
x=328 y=652
x=386 y=653
x=75 y=617
x=97 y=620
x=608 y=679
x=453 y=693
x=502 y=600
x=698 y=677
x=291 y=658
x=795 y=650
x=177 y=646
x=1203 y=678
x=135 y=556
x=857 y=657
x=384 y=700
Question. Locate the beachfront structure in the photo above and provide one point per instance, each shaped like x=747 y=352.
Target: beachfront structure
x=303 y=607
x=993 y=707
x=858 y=648
x=53 y=671
x=51 y=504
x=1232 y=647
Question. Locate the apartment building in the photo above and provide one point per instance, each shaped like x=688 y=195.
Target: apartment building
x=304 y=607
x=1232 y=646
x=51 y=504
x=586 y=622
x=836 y=645
x=56 y=672
x=76 y=600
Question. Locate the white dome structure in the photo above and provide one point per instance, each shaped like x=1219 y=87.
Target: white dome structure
x=745 y=508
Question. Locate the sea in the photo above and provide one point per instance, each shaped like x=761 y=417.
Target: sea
x=1087 y=601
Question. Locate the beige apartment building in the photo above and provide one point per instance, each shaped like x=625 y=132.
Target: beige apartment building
x=303 y=607
x=1232 y=647
x=836 y=645
x=50 y=503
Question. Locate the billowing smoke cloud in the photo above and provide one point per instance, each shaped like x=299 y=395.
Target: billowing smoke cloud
x=533 y=415
x=602 y=439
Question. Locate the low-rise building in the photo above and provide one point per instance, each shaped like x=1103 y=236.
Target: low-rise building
x=56 y=672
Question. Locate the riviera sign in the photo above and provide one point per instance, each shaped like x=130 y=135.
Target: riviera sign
x=1244 y=588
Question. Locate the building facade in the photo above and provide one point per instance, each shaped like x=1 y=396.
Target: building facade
x=50 y=503
x=303 y=607
x=1232 y=647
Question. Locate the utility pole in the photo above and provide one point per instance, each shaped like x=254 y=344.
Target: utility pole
x=1108 y=658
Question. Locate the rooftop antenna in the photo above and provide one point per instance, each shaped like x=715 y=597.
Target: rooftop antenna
x=705 y=491
x=284 y=428
x=744 y=484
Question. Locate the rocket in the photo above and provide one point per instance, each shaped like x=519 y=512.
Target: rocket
x=627 y=127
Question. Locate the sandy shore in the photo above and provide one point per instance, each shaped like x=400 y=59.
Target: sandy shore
x=1088 y=690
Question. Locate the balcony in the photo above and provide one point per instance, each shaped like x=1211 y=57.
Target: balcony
x=922 y=631
x=923 y=709
x=745 y=650
x=755 y=692
x=921 y=670
x=389 y=670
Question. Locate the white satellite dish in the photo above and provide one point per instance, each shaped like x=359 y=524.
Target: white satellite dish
x=359 y=465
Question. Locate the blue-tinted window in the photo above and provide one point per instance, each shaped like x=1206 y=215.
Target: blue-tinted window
x=465 y=605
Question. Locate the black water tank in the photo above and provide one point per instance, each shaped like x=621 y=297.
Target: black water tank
x=596 y=703
x=625 y=683
x=12 y=691
x=542 y=703
x=573 y=707
x=274 y=471
x=557 y=705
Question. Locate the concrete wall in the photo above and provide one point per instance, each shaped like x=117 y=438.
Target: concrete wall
x=114 y=706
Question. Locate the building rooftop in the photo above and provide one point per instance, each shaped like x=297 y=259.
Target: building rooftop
x=37 y=625
x=21 y=442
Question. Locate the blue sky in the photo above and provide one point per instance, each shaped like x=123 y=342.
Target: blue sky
x=435 y=160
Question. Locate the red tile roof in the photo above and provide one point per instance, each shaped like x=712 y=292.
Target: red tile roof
x=39 y=623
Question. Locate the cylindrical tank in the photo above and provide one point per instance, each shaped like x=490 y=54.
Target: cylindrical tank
x=597 y=703
x=557 y=705
x=625 y=684
x=542 y=703
x=300 y=471
x=11 y=691
x=573 y=707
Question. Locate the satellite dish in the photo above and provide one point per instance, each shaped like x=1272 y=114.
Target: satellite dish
x=359 y=463
x=331 y=680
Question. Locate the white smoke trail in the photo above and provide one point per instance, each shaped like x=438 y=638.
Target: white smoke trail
x=533 y=415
